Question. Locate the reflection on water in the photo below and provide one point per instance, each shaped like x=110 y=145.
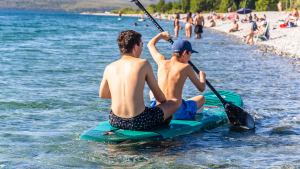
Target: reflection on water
x=51 y=68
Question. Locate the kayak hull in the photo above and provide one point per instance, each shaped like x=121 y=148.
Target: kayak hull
x=212 y=116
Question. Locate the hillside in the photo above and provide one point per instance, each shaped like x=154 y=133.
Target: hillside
x=71 y=5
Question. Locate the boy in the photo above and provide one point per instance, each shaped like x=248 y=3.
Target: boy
x=173 y=73
x=123 y=82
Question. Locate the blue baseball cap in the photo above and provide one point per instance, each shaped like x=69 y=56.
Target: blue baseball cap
x=181 y=45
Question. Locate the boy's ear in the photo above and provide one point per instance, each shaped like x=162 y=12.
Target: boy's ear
x=183 y=53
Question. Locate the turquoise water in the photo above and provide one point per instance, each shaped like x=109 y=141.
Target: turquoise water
x=51 y=66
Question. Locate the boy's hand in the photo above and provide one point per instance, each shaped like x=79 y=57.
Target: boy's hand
x=166 y=36
x=201 y=75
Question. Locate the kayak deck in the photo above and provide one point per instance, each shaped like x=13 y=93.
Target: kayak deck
x=212 y=116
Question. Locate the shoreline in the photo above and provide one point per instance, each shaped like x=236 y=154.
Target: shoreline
x=283 y=41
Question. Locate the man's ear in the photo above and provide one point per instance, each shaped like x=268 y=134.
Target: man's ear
x=135 y=47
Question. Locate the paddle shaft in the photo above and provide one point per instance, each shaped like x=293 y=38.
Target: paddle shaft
x=171 y=41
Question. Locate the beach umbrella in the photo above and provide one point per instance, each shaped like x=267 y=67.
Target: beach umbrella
x=244 y=11
x=232 y=15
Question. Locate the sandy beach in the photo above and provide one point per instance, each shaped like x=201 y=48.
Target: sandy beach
x=283 y=41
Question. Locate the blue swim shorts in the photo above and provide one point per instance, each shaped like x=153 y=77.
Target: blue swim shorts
x=187 y=110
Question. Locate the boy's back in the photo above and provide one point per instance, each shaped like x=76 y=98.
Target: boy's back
x=173 y=73
x=171 y=78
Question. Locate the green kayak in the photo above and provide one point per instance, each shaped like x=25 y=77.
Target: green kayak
x=212 y=116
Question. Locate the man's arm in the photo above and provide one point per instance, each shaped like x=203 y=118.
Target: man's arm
x=200 y=84
x=104 y=91
x=152 y=48
x=152 y=83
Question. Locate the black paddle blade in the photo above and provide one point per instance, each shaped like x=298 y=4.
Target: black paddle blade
x=238 y=117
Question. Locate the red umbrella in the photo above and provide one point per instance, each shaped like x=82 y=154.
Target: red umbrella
x=232 y=15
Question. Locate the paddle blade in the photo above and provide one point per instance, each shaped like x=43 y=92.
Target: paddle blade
x=238 y=117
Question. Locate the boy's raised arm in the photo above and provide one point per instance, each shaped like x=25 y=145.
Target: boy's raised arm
x=152 y=48
x=152 y=83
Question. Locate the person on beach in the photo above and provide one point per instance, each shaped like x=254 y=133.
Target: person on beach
x=198 y=24
x=123 y=82
x=279 y=6
x=250 y=19
x=173 y=73
x=294 y=15
x=261 y=31
x=212 y=24
x=235 y=27
x=176 y=25
x=188 y=25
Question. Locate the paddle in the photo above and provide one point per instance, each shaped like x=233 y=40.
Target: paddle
x=236 y=115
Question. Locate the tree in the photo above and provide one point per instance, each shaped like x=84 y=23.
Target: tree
x=153 y=7
x=197 y=5
x=185 y=4
x=167 y=7
x=225 y=4
x=261 y=5
x=176 y=5
x=160 y=5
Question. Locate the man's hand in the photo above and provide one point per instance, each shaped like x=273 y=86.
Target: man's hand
x=166 y=36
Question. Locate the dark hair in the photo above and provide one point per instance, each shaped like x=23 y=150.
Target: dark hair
x=197 y=11
x=189 y=15
x=178 y=54
x=127 y=39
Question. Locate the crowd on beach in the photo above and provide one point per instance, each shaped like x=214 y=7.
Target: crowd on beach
x=259 y=29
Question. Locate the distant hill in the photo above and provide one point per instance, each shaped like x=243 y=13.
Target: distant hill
x=71 y=5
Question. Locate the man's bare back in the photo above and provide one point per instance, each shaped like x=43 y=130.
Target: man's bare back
x=120 y=76
x=124 y=81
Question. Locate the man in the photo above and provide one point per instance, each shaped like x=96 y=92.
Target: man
x=123 y=82
x=173 y=73
x=279 y=6
x=198 y=24
x=120 y=14
x=235 y=27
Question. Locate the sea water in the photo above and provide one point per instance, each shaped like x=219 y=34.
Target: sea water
x=51 y=66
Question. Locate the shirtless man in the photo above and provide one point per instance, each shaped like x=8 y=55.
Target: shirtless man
x=198 y=24
x=235 y=27
x=173 y=73
x=120 y=14
x=123 y=82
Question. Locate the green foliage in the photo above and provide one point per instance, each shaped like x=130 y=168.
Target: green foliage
x=197 y=5
x=261 y=5
x=167 y=6
x=160 y=5
x=225 y=4
x=176 y=5
x=185 y=5
x=153 y=7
